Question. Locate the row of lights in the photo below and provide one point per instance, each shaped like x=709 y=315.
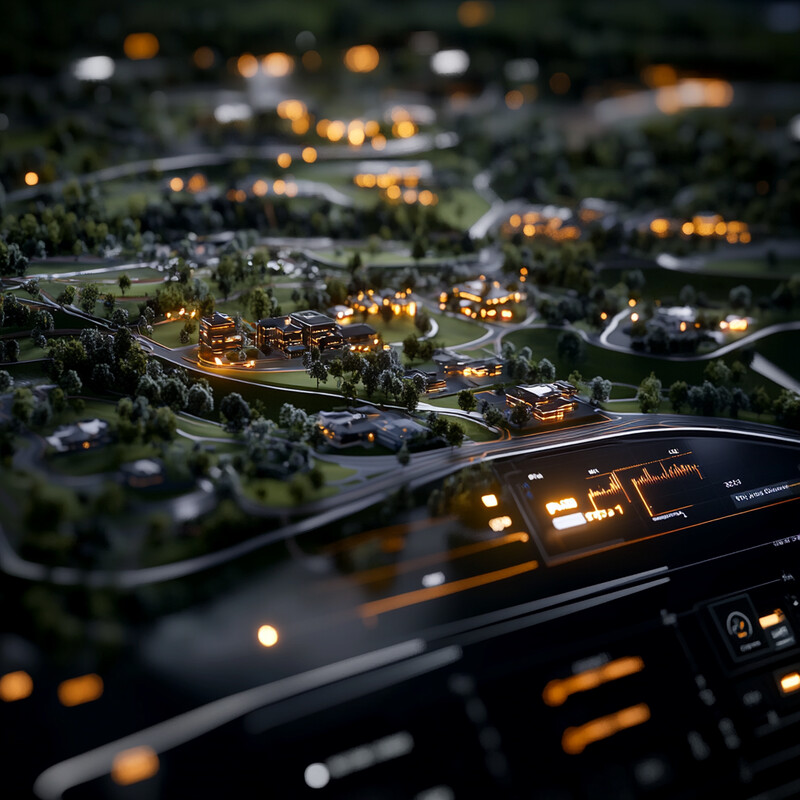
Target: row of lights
x=197 y=183
x=710 y=225
x=534 y=224
x=360 y=58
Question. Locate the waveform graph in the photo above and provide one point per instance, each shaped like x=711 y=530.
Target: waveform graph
x=664 y=487
x=604 y=493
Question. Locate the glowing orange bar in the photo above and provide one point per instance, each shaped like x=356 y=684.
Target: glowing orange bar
x=770 y=620
x=575 y=740
x=83 y=689
x=15 y=686
x=790 y=683
x=422 y=595
x=134 y=765
x=557 y=691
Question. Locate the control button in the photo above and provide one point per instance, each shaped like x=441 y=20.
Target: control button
x=789 y=682
x=778 y=629
x=738 y=624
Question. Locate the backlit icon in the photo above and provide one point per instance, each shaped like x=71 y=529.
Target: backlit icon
x=739 y=625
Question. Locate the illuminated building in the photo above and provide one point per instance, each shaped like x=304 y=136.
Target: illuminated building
x=297 y=332
x=482 y=299
x=370 y=302
x=359 y=336
x=366 y=425
x=549 y=402
x=318 y=330
x=79 y=436
x=453 y=364
x=432 y=382
x=218 y=336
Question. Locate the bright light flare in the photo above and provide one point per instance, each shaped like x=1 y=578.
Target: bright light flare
x=277 y=65
x=247 y=64
x=790 y=683
x=94 y=68
x=450 y=62
x=284 y=160
x=31 y=178
x=362 y=58
x=489 y=500
x=267 y=636
x=309 y=155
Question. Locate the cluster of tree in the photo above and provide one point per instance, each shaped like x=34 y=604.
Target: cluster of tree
x=440 y=428
x=140 y=420
x=101 y=360
x=415 y=349
x=172 y=388
x=521 y=367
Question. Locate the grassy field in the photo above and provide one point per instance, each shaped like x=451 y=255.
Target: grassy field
x=460 y=208
x=621 y=367
x=751 y=267
x=475 y=431
x=169 y=333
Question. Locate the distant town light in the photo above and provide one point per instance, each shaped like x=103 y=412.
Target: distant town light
x=634 y=317
x=335 y=130
x=260 y=188
x=15 y=686
x=362 y=58
x=284 y=160
x=378 y=142
x=134 y=765
x=203 y=57
x=267 y=636
x=176 y=184
x=247 y=64
x=514 y=99
x=450 y=62
x=309 y=155
x=94 y=68
x=489 y=500
x=140 y=46
x=31 y=178
x=277 y=65
x=474 y=13
x=316 y=776
x=83 y=689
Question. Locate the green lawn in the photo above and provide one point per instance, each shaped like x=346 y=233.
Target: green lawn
x=460 y=208
x=105 y=458
x=475 y=431
x=203 y=427
x=168 y=334
x=751 y=267
x=277 y=492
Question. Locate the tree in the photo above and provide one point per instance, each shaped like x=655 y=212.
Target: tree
x=260 y=303
x=717 y=372
x=119 y=317
x=570 y=346
x=759 y=400
x=493 y=416
x=678 y=395
x=649 y=394
x=520 y=414
x=88 y=297
x=403 y=456
x=163 y=424
x=318 y=371
x=6 y=381
x=200 y=399
x=349 y=391
x=12 y=350
x=704 y=398
x=739 y=401
x=235 y=411
x=547 y=372
x=599 y=389
x=174 y=393
x=71 y=382
x=409 y=396
x=411 y=347
x=12 y=260
x=466 y=400
x=741 y=297
x=22 y=405
x=454 y=435
x=124 y=283
x=67 y=296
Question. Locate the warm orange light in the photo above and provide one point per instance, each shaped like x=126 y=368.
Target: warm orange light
x=378 y=142
x=404 y=129
x=284 y=160
x=356 y=137
x=203 y=57
x=247 y=64
x=558 y=691
x=683 y=326
x=738 y=324
x=372 y=127
x=134 y=765
x=140 y=46
x=410 y=196
x=529 y=229
x=489 y=500
x=770 y=620
x=218 y=361
x=687 y=229
x=322 y=128
x=790 y=683
x=197 y=182
x=361 y=58
x=603 y=315
x=277 y=64
x=301 y=126
x=291 y=189
x=565 y=504
x=506 y=314
x=86 y=445
x=659 y=75
x=393 y=192
x=426 y=197
x=309 y=155
x=279 y=186
x=514 y=220
x=560 y=83
x=514 y=99
x=659 y=226
x=744 y=237
x=76 y=691
x=632 y=303
x=176 y=184
x=312 y=60
x=575 y=740
x=720 y=229
x=260 y=188
x=336 y=130
x=292 y=109
x=31 y=178
x=474 y=13
x=267 y=636
x=15 y=686
x=634 y=317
